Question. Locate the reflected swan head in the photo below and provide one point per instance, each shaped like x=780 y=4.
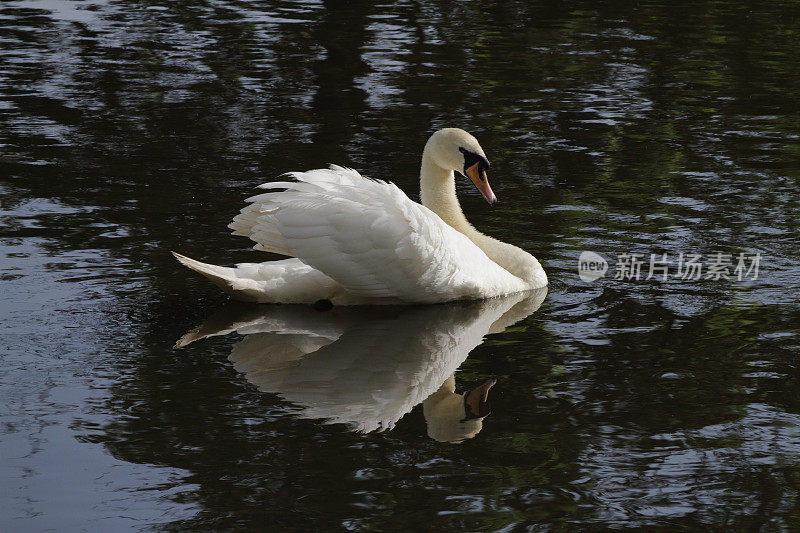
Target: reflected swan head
x=454 y=149
x=453 y=417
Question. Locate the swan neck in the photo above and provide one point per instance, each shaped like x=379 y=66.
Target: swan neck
x=438 y=193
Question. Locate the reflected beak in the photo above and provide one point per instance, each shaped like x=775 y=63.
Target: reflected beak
x=478 y=177
x=476 y=401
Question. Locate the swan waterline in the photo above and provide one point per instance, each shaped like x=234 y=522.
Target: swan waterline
x=358 y=241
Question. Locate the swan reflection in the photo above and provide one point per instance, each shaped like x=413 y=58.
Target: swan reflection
x=368 y=367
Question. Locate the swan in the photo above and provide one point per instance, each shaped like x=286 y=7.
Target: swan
x=356 y=241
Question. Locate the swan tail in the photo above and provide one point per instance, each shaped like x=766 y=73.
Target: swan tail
x=223 y=277
x=284 y=281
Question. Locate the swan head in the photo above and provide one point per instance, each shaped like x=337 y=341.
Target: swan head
x=455 y=149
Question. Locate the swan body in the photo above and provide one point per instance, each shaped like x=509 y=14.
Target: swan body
x=357 y=241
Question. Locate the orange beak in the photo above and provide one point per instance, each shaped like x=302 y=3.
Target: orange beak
x=478 y=177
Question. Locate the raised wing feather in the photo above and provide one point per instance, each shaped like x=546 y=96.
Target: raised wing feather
x=369 y=237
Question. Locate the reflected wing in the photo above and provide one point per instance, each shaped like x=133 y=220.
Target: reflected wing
x=369 y=237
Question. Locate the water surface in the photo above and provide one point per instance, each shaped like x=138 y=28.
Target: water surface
x=129 y=129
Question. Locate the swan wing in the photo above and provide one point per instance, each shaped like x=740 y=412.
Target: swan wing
x=371 y=238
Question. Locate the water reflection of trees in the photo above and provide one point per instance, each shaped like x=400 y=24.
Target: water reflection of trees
x=206 y=94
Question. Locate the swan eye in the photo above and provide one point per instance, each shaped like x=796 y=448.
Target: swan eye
x=470 y=158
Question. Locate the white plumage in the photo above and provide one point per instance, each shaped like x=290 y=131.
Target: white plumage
x=358 y=241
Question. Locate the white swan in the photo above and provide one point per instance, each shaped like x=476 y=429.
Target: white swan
x=359 y=241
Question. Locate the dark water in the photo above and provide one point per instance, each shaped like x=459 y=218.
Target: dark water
x=129 y=129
